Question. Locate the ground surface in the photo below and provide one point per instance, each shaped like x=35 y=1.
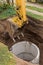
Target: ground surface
x=35 y=4
x=35 y=10
x=6 y=58
x=32 y=32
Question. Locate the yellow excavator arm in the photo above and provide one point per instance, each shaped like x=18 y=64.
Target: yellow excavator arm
x=12 y=24
x=20 y=19
x=21 y=10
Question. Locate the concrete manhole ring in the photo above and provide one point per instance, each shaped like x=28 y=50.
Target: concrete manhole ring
x=26 y=51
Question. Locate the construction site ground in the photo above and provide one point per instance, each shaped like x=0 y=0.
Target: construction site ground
x=33 y=32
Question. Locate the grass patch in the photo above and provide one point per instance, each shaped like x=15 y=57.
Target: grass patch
x=6 y=58
x=35 y=16
x=35 y=8
x=6 y=11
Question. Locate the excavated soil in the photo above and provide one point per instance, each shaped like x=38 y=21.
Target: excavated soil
x=33 y=32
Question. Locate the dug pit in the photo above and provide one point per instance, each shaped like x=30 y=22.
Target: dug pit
x=27 y=51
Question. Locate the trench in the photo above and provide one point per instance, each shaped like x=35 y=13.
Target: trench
x=30 y=32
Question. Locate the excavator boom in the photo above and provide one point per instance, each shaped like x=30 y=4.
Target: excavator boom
x=12 y=24
x=20 y=19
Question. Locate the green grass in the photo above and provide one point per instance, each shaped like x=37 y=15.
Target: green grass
x=35 y=8
x=6 y=58
x=6 y=11
x=35 y=16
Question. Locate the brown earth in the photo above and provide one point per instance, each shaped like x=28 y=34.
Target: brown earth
x=33 y=32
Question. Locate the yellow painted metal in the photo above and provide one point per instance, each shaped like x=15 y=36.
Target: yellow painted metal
x=21 y=8
x=15 y=20
x=21 y=13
